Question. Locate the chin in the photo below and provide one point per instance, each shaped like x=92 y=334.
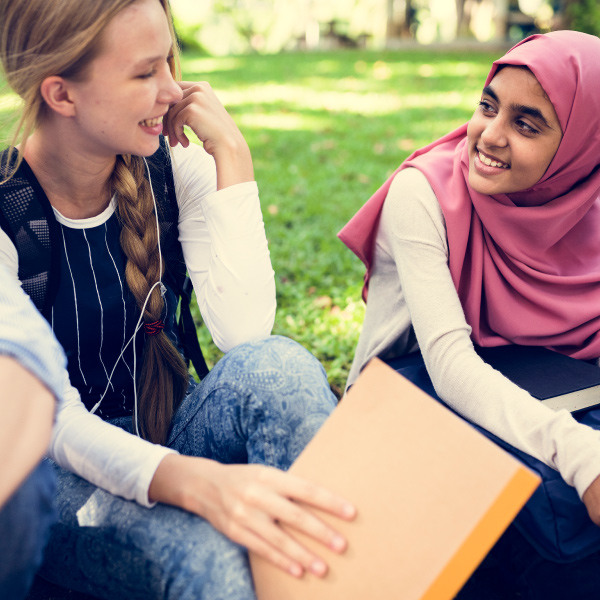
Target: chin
x=145 y=149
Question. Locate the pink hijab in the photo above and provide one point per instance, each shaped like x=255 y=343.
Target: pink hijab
x=526 y=265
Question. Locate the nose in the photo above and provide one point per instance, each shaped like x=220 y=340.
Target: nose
x=494 y=132
x=169 y=92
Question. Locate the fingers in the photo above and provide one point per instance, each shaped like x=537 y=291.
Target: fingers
x=201 y=110
x=271 y=505
x=197 y=108
x=300 y=489
x=173 y=128
x=175 y=119
x=279 y=548
x=264 y=509
x=303 y=520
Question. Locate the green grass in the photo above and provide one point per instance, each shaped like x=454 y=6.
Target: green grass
x=325 y=130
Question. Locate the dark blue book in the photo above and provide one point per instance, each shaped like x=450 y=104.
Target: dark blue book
x=557 y=380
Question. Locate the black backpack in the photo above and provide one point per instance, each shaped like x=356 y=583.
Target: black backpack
x=27 y=218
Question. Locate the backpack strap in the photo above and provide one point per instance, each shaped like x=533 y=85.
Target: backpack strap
x=27 y=218
x=161 y=175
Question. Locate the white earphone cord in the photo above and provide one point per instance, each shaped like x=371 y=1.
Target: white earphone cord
x=138 y=324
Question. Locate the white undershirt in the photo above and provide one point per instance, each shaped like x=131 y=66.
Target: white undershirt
x=413 y=304
x=225 y=249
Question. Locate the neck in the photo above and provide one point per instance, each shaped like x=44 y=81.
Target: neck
x=77 y=185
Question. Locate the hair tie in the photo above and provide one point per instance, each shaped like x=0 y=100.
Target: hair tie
x=154 y=328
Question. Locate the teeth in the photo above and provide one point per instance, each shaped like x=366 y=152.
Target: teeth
x=491 y=163
x=151 y=122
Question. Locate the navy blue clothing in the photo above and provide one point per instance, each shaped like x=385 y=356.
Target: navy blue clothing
x=95 y=314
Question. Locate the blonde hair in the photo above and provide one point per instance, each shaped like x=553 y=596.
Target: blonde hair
x=40 y=38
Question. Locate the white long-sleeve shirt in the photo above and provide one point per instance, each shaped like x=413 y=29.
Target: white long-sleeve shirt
x=413 y=304
x=227 y=257
x=26 y=336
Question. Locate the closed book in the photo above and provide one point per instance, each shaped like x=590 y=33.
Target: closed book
x=432 y=494
x=559 y=381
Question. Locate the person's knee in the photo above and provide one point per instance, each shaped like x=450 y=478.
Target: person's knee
x=277 y=353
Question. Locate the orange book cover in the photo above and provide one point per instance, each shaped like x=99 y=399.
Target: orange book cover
x=433 y=496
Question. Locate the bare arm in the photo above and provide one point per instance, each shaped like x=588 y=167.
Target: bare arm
x=26 y=418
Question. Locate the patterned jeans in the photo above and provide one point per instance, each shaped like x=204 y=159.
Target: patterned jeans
x=261 y=403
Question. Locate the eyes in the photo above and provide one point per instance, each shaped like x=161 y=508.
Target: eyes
x=155 y=68
x=521 y=125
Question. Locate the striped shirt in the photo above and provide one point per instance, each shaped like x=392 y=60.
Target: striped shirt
x=94 y=315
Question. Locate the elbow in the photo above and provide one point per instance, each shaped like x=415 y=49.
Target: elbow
x=249 y=327
x=226 y=343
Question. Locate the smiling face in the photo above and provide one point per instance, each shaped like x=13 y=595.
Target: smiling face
x=513 y=134
x=127 y=88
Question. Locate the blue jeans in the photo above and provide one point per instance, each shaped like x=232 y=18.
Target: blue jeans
x=25 y=522
x=261 y=403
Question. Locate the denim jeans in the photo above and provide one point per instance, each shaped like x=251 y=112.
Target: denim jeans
x=261 y=403
x=25 y=522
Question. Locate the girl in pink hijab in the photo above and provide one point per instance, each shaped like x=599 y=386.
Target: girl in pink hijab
x=491 y=236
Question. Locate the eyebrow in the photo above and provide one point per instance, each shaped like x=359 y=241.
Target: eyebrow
x=148 y=61
x=531 y=111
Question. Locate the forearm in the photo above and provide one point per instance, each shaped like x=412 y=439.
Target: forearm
x=475 y=390
x=237 y=296
x=234 y=163
x=103 y=454
x=226 y=252
x=25 y=424
x=183 y=481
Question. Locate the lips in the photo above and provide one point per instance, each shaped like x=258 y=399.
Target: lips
x=491 y=162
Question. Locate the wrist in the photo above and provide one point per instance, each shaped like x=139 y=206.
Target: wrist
x=233 y=162
x=183 y=481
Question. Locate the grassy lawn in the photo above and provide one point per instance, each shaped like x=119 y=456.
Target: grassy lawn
x=325 y=130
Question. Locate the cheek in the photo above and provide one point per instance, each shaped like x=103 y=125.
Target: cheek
x=550 y=154
x=538 y=161
x=472 y=129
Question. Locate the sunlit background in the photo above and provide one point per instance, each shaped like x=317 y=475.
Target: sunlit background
x=331 y=97
x=232 y=26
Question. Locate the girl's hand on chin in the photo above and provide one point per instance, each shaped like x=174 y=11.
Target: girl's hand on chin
x=201 y=110
x=249 y=503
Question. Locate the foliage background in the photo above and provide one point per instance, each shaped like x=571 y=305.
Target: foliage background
x=223 y=27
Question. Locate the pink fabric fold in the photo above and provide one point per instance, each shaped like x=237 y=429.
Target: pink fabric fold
x=526 y=266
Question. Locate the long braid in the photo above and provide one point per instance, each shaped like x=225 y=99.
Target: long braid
x=163 y=377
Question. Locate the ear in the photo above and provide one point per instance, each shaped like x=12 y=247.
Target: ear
x=57 y=95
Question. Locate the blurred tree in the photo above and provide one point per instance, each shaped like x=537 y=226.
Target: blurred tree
x=582 y=15
x=251 y=19
x=400 y=23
